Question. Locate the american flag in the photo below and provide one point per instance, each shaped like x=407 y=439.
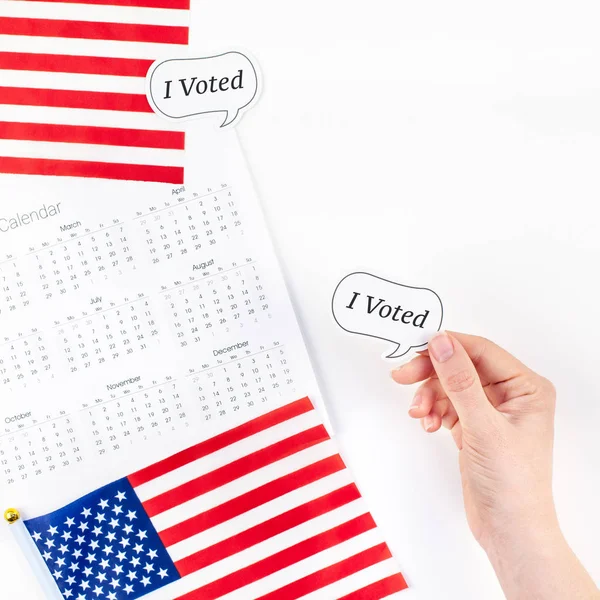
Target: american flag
x=266 y=510
x=72 y=88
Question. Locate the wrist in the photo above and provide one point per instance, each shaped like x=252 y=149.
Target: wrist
x=524 y=553
x=519 y=525
x=524 y=542
x=541 y=565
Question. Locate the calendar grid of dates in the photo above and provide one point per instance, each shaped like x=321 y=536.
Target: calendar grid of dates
x=153 y=324
x=73 y=264
x=31 y=446
x=63 y=276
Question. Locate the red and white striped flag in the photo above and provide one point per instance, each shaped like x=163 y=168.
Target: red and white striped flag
x=266 y=510
x=72 y=88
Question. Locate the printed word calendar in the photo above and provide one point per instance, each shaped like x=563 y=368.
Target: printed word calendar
x=136 y=317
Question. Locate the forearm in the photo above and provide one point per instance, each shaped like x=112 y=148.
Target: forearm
x=540 y=565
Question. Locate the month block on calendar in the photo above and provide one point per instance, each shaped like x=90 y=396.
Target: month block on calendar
x=107 y=332
x=218 y=304
x=82 y=259
x=135 y=410
x=16 y=289
x=24 y=359
x=31 y=447
x=240 y=380
x=191 y=227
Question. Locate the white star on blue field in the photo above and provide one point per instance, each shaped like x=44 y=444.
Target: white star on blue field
x=103 y=546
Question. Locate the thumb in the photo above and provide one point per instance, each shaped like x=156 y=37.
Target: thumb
x=458 y=376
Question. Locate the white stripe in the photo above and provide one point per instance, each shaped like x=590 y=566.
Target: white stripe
x=92 y=12
x=306 y=567
x=356 y=581
x=91 y=152
x=280 y=542
x=227 y=455
x=242 y=485
x=89 y=117
x=260 y=514
x=83 y=47
x=278 y=579
x=73 y=81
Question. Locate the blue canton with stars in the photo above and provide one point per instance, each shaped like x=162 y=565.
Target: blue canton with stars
x=103 y=546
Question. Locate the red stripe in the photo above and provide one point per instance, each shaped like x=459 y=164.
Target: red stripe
x=380 y=589
x=236 y=469
x=98 y=170
x=268 y=529
x=331 y=574
x=58 y=63
x=93 y=30
x=214 y=444
x=104 y=136
x=176 y=4
x=79 y=99
x=261 y=495
x=283 y=559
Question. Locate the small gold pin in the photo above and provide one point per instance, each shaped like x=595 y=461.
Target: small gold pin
x=11 y=515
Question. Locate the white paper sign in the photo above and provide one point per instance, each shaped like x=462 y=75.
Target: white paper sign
x=407 y=316
x=185 y=88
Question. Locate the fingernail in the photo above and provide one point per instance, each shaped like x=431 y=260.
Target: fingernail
x=428 y=423
x=441 y=347
x=416 y=402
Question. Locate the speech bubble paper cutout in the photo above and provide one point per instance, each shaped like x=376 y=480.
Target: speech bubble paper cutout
x=187 y=88
x=407 y=316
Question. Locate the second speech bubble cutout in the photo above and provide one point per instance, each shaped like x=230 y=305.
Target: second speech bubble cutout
x=369 y=305
x=180 y=89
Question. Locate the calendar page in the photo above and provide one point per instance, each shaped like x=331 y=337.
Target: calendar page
x=136 y=319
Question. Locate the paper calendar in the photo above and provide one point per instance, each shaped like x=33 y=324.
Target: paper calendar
x=135 y=312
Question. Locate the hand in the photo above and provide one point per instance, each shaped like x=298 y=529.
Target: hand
x=501 y=416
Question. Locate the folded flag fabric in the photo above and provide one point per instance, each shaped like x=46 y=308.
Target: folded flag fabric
x=72 y=88
x=265 y=510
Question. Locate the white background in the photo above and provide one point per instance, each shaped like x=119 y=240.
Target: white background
x=453 y=145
